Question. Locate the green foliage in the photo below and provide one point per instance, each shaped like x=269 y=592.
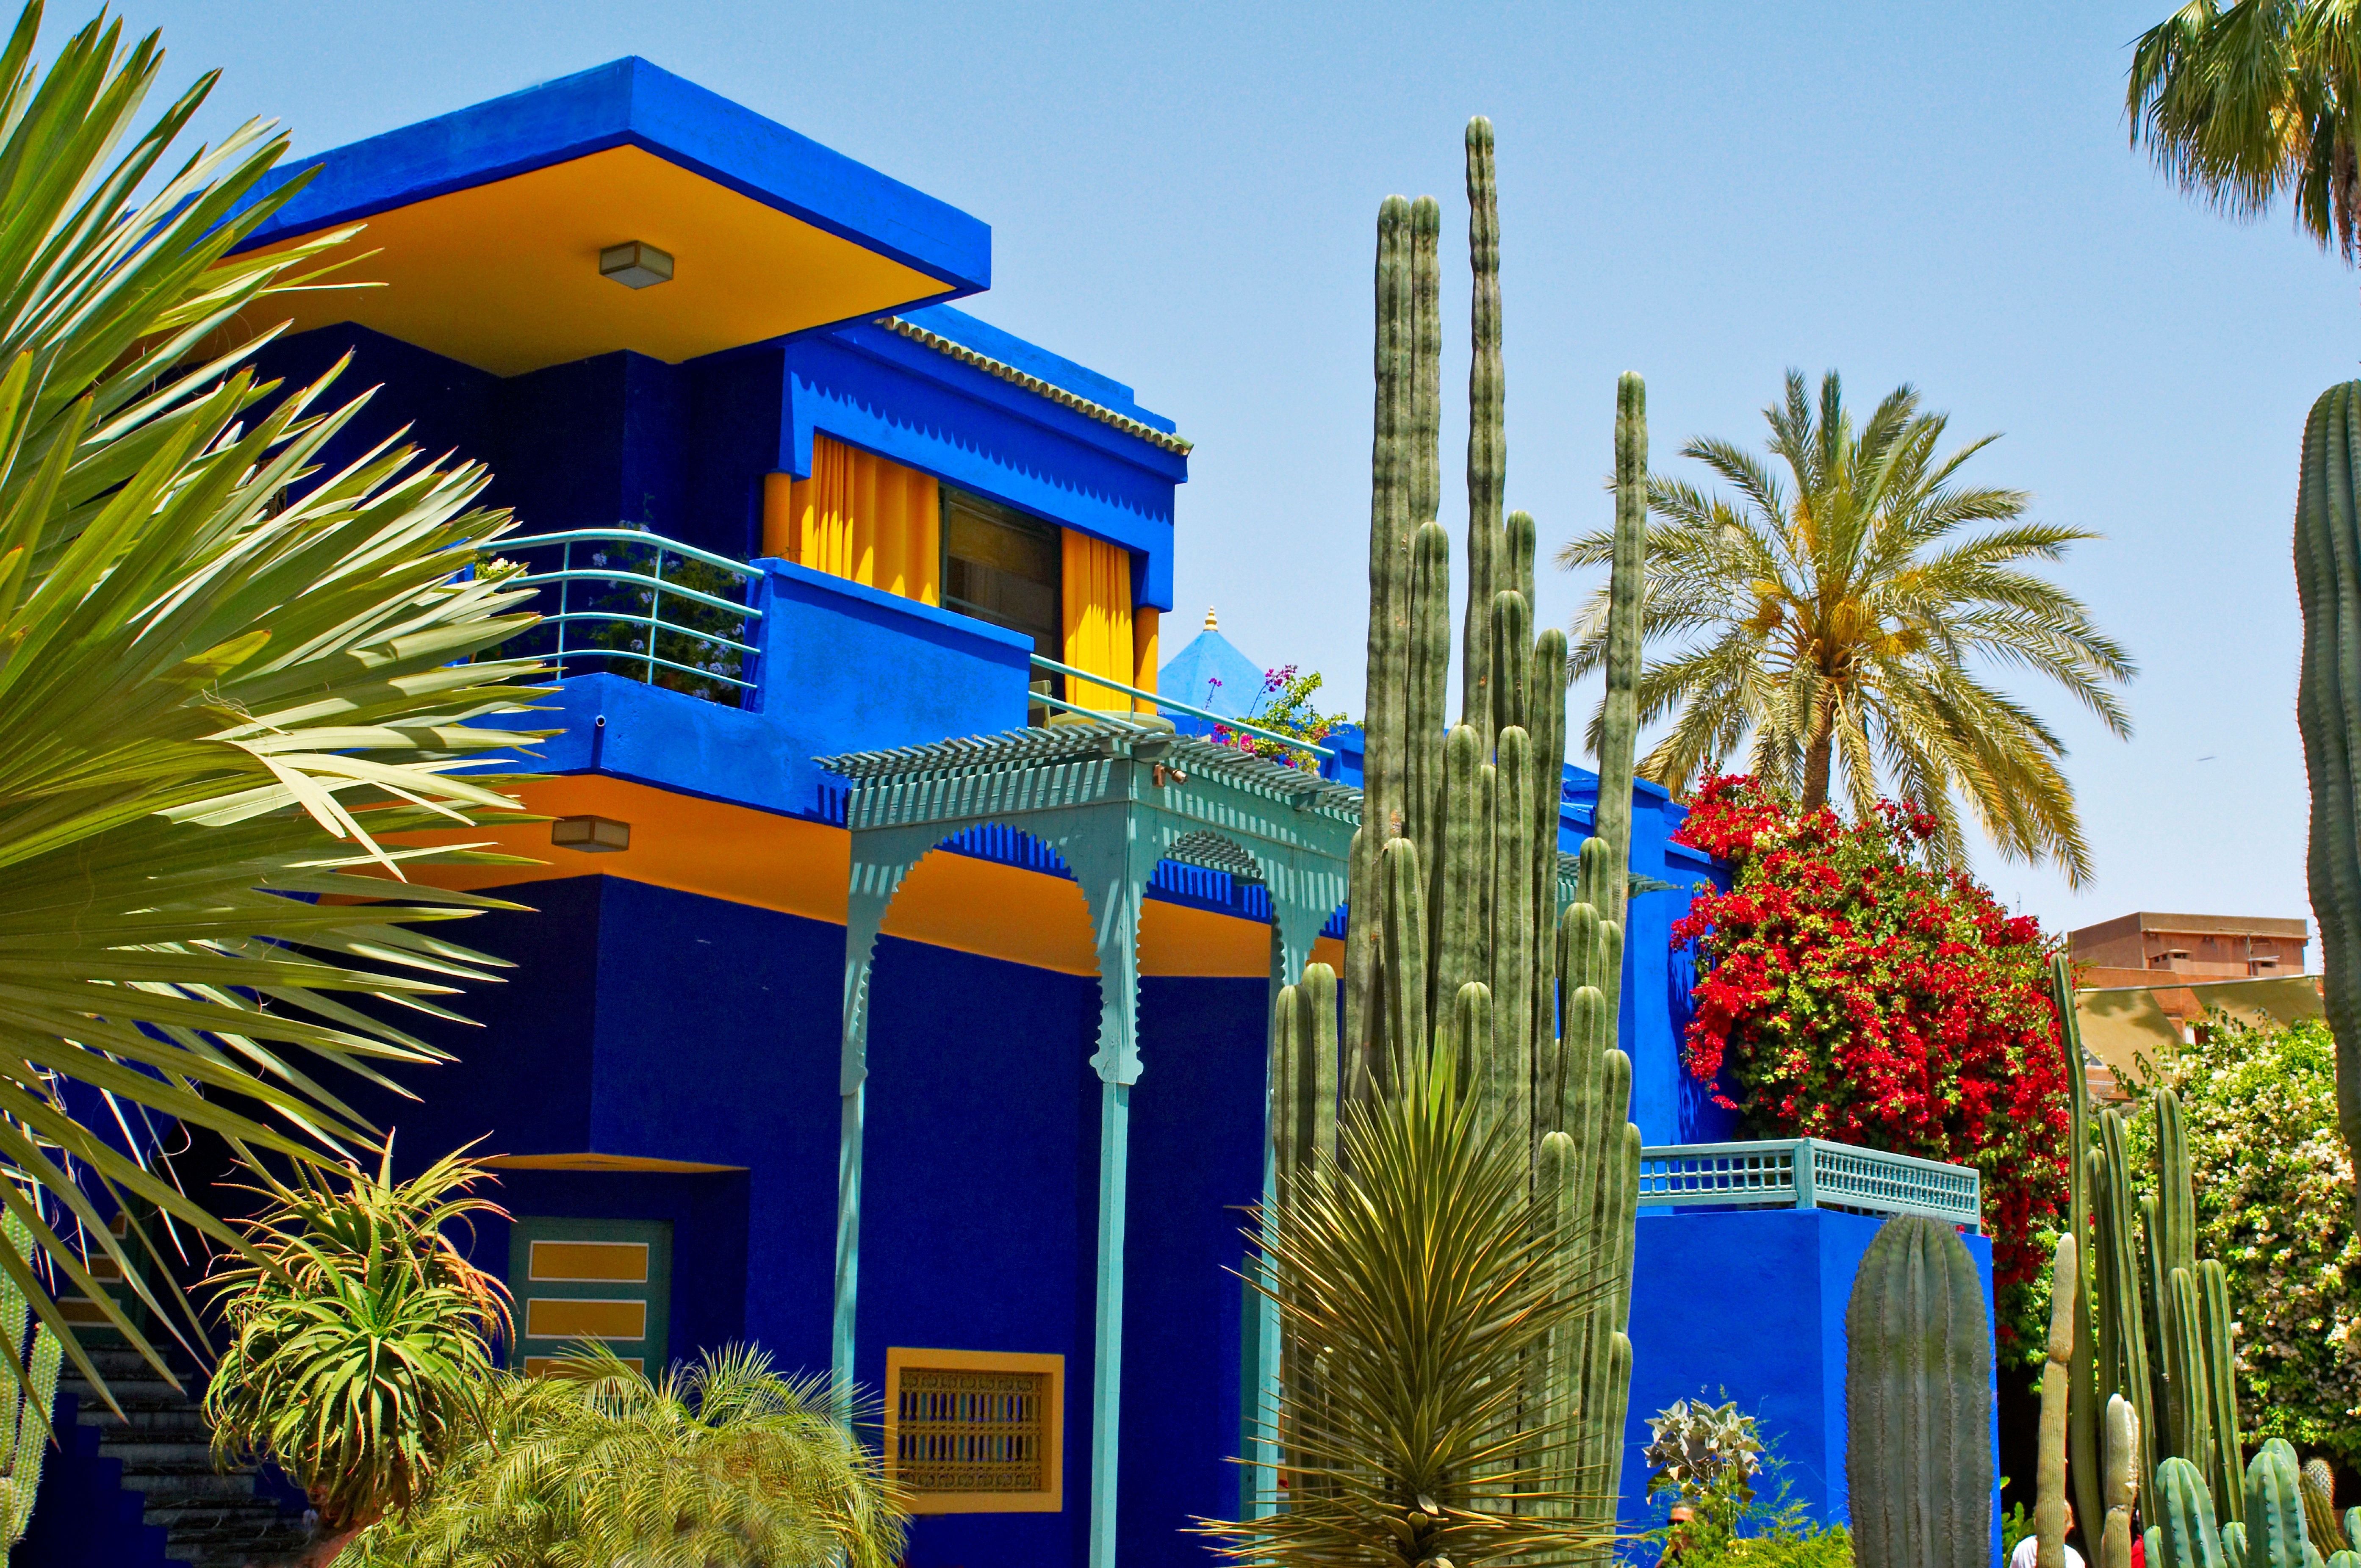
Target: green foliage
x=1736 y=1523
x=361 y=1340
x=2245 y=103
x=1421 y=1264
x=2015 y=1524
x=2273 y=1199
x=725 y=1461
x=216 y=702
x=1831 y=621
x=1705 y=1455
x=1285 y=705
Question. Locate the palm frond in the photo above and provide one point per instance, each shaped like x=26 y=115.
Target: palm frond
x=1839 y=615
x=228 y=680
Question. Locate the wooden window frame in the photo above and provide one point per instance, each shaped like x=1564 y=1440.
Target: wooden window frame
x=1053 y=1424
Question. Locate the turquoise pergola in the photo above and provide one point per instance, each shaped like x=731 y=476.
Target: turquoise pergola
x=1113 y=797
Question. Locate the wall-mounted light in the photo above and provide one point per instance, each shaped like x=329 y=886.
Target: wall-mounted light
x=591 y=835
x=635 y=264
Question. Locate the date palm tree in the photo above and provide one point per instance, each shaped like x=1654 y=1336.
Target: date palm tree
x=1837 y=620
x=363 y=1342
x=2246 y=102
x=227 y=679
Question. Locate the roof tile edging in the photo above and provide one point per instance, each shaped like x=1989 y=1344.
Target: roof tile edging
x=1034 y=384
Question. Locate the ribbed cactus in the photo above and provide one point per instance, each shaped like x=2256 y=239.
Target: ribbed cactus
x=1918 y=1461
x=1461 y=936
x=2272 y=1535
x=2123 y=1447
x=2319 y=1485
x=26 y=1397
x=2049 y=1487
x=2328 y=696
x=2156 y=1328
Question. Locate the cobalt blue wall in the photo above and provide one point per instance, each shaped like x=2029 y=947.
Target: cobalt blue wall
x=979 y=1201
x=1749 y=1306
x=1196 y=1164
x=657 y=1024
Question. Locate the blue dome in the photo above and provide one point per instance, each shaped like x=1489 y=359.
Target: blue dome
x=1212 y=673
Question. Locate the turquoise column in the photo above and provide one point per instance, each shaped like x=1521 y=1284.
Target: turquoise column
x=1113 y=864
x=880 y=860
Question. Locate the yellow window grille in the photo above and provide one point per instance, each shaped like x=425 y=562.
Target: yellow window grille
x=975 y=1431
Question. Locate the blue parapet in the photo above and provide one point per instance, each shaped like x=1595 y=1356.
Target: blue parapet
x=1749 y=1306
x=631 y=103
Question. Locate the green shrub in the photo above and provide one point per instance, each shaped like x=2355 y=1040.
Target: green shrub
x=2274 y=1202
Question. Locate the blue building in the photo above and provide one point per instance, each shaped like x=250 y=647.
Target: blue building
x=787 y=503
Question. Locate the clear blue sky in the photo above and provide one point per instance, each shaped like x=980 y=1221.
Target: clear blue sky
x=1183 y=196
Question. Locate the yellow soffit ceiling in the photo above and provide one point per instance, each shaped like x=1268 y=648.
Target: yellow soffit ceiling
x=504 y=276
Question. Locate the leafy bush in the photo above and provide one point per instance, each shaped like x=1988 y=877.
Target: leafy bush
x=1286 y=706
x=1862 y=992
x=1709 y=1458
x=2274 y=1203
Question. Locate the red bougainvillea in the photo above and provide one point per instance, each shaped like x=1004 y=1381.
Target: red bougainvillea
x=1860 y=993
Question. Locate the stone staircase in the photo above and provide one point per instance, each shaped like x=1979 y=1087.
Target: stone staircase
x=209 y=1518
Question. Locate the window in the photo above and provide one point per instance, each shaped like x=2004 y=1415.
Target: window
x=609 y=1280
x=973 y=1432
x=1002 y=567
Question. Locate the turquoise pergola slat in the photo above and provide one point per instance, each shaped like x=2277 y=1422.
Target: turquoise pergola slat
x=1113 y=799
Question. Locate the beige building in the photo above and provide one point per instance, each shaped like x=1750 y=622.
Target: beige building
x=2132 y=949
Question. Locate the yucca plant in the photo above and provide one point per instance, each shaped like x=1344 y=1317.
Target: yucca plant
x=1415 y=1267
x=723 y=1463
x=225 y=679
x=362 y=1342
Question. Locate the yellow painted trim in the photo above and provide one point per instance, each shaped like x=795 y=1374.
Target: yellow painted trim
x=505 y=276
x=581 y=1317
x=1053 y=1436
x=586 y=1262
x=718 y=850
x=539 y=1365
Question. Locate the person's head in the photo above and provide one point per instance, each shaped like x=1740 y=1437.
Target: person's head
x=2070 y=1515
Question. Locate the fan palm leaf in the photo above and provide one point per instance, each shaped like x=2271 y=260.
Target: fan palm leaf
x=2247 y=102
x=1835 y=619
x=229 y=680
x=723 y=1463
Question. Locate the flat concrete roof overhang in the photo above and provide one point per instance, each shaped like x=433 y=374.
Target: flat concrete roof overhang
x=487 y=225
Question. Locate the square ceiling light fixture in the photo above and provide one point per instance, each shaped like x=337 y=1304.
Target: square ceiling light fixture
x=591 y=835
x=635 y=264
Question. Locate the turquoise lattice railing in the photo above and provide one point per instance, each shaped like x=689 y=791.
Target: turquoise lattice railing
x=627 y=602
x=1808 y=1173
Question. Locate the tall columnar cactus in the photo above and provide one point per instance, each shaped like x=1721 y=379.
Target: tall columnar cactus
x=2328 y=713
x=1463 y=935
x=2050 y=1507
x=2156 y=1328
x=1918 y=1461
x=2123 y=1447
x=27 y=1395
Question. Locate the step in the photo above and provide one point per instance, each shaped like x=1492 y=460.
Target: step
x=169 y=1482
x=152 y=1426
x=156 y=1455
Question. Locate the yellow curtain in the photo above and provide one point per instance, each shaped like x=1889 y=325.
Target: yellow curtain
x=1099 y=625
x=859 y=516
x=1144 y=622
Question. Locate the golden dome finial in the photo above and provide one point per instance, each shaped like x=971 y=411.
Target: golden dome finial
x=1211 y=624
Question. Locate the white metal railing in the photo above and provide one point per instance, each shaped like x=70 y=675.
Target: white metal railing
x=1292 y=742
